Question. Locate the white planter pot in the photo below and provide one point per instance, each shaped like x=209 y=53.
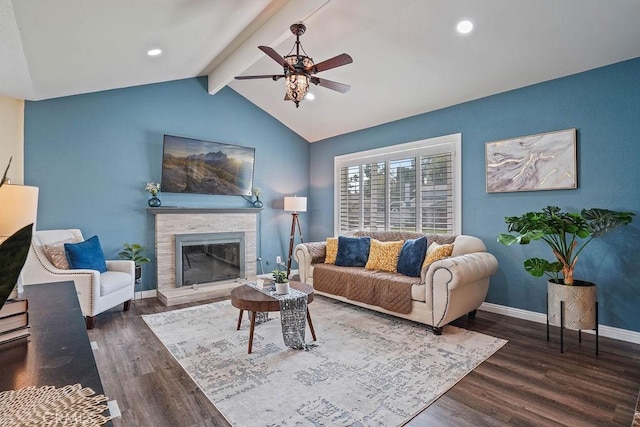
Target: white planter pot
x=579 y=304
x=282 y=288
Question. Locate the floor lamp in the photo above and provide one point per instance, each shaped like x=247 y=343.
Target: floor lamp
x=18 y=207
x=294 y=205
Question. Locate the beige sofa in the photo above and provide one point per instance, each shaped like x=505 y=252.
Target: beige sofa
x=446 y=290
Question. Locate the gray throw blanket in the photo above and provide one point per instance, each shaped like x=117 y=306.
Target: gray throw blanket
x=293 y=315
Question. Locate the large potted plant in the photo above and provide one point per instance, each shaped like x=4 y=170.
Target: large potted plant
x=567 y=234
x=134 y=252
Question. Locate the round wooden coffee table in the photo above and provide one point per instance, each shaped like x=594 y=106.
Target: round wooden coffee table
x=247 y=298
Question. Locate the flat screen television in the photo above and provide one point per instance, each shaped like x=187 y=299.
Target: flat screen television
x=206 y=167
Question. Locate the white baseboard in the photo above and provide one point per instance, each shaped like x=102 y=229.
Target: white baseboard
x=151 y=293
x=604 y=331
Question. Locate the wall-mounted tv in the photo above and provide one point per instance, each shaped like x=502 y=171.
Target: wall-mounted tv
x=206 y=167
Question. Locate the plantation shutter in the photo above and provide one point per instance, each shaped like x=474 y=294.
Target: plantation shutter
x=402 y=194
x=436 y=193
x=350 y=201
x=374 y=196
x=408 y=187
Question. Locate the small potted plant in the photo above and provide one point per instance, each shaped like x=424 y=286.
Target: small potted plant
x=134 y=252
x=281 y=281
x=567 y=234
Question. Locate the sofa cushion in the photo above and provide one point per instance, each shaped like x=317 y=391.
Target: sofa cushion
x=436 y=252
x=411 y=256
x=112 y=281
x=331 y=250
x=56 y=254
x=383 y=256
x=391 y=291
x=86 y=255
x=353 y=251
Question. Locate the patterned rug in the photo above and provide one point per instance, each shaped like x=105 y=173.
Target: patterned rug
x=367 y=369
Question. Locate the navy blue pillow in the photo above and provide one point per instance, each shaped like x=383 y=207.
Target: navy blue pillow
x=411 y=256
x=353 y=251
x=86 y=255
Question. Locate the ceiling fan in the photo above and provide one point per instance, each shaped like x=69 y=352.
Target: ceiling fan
x=299 y=70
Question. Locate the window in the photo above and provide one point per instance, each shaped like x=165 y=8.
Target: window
x=407 y=187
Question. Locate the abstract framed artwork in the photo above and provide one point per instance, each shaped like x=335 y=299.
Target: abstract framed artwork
x=546 y=161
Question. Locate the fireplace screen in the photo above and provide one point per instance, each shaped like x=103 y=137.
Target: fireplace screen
x=209 y=258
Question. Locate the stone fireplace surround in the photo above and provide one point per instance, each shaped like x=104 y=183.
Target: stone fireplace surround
x=170 y=221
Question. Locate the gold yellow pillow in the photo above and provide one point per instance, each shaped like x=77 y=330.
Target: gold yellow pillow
x=436 y=252
x=383 y=256
x=331 y=251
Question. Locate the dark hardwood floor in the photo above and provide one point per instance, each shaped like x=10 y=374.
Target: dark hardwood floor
x=527 y=382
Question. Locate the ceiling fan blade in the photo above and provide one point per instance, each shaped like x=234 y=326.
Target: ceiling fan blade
x=271 y=53
x=338 y=87
x=336 y=61
x=263 y=76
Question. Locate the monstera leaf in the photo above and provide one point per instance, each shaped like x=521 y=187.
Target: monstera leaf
x=13 y=254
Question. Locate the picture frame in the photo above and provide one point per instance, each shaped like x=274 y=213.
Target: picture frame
x=545 y=161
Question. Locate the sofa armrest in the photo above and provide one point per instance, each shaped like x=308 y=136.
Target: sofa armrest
x=462 y=269
x=458 y=285
x=306 y=254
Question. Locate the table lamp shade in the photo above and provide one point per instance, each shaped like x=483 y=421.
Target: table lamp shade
x=18 y=207
x=295 y=204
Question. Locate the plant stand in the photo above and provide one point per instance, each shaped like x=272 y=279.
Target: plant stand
x=563 y=325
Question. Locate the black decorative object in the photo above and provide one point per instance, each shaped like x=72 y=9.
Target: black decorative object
x=13 y=254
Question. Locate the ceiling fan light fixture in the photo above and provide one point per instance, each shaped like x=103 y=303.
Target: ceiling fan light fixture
x=298 y=70
x=297 y=83
x=297 y=87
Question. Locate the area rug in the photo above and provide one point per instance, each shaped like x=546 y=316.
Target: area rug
x=367 y=368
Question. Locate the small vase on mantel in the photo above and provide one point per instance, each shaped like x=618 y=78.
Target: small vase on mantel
x=154 y=202
x=258 y=203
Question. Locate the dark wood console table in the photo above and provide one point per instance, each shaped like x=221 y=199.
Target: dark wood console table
x=58 y=352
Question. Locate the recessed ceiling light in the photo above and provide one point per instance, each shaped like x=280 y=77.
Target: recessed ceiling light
x=310 y=96
x=464 y=27
x=154 y=52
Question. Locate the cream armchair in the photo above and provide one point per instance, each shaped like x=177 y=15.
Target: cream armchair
x=97 y=292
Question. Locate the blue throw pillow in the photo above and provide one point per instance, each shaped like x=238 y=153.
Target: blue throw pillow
x=353 y=251
x=86 y=255
x=411 y=256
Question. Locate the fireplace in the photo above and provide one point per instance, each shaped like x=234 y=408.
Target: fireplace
x=236 y=228
x=205 y=258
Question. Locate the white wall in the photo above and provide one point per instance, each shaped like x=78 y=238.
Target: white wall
x=12 y=138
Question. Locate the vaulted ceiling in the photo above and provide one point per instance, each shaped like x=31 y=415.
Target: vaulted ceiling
x=408 y=57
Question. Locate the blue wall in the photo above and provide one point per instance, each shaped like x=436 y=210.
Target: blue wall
x=604 y=106
x=91 y=155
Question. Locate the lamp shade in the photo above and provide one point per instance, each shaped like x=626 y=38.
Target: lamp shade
x=18 y=207
x=295 y=204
